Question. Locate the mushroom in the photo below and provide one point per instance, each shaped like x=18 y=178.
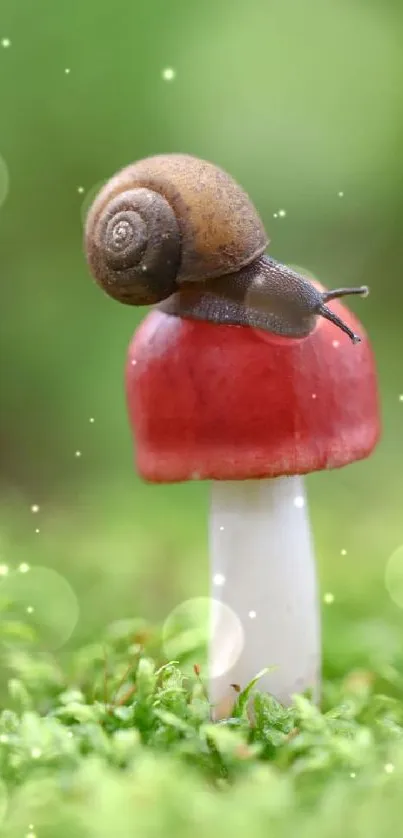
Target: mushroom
x=239 y=376
x=253 y=412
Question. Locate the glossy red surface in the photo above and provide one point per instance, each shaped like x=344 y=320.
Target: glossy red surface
x=230 y=402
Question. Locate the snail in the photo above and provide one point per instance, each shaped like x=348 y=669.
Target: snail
x=179 y=232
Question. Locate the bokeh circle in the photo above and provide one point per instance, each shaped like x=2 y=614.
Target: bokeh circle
x=45 y=600
x=4 y=181
x=394 y=576
x=89 y=198
x=3 y=801
x=251 y=299
x=187 y=631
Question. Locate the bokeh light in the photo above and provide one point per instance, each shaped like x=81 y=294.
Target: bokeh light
x=4 y=181
x=89 y=198
x=45 y=598
x=187 y=631
x=168 y=74
x=3 y=801
x=394 y=576
x=256 y=300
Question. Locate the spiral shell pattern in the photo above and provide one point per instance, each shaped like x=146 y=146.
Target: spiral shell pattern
x=133 y=246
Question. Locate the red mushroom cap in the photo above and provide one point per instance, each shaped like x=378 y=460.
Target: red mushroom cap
x=230 y=402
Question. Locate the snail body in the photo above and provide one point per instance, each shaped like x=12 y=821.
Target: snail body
x=177 y=230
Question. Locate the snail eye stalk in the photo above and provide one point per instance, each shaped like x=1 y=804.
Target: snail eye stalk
x=325 y=312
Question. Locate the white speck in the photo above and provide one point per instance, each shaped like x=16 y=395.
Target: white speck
x=37 y=530
x=77 y=453
x=80 y=190
x=340 y=194
x=336 y=343
x=282 y=213
x=36 y=753
x=328 y=599
x=343 y=552
x=3 y=569
x=389 y=768
x=5 y=42
x=353 y=775
x=30 y=609
x=219 y=579
x=252 y=615
x=299 y=502
x=92 y=420
x=134 y=362
x=401 y=397
x=67 y=71
x=3 y=738
x=221 y=529
x=314 y=396
x=275 y=214
x=23 y=567
x=168 y=74
x=30 y=834
x=35 y=508
x=70 y=734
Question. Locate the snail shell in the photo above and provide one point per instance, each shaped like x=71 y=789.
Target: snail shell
x=168 y=221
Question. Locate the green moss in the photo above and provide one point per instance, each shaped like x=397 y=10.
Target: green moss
x=122 y=744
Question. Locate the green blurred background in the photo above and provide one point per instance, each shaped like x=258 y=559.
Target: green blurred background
x=300 y=100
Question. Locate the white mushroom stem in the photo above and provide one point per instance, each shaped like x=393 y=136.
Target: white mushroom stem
x=265 y=599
